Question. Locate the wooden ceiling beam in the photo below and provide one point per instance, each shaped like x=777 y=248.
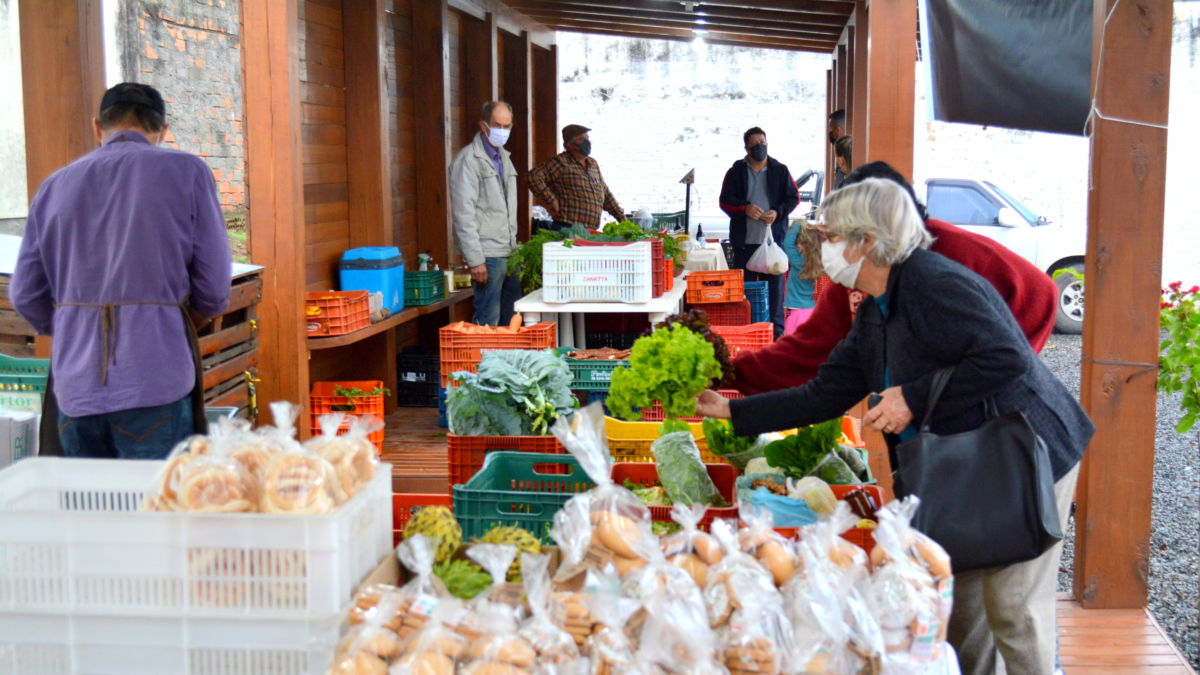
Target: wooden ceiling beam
x=634 y=17
x=836 y=7
x=618 y=21
x=710 y=38
x=830 y=20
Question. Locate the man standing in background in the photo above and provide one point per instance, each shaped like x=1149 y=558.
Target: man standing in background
x=124 y=251
x=483 y=205
x=835 y=130
x=758 y=194
x=570 y=186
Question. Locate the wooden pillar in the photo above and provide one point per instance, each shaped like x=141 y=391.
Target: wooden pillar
x=843 y=78
x=851 y=79
x=368 y=165
x=480 y=81
x=274 y=181
x=891 y=55
x=62 y=80
x=518 y=92
x=830 y=106
x=1123 y=276
x=856 y=113
x=545 y=104
x=431 y=131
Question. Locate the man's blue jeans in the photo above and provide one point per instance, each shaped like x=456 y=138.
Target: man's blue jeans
x=494 y=300
x=138 y=433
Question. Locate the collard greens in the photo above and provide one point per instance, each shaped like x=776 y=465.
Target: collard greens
x=681 y=472
x=517 y=392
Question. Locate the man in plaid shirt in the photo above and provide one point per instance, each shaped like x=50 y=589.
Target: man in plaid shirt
x=569 y=184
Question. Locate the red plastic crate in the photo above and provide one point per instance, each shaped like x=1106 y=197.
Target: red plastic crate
x=725 y=313
x=745 y=338
x=723 y=476
x=466 y=453
x=716 y=286
x=404 y=505
x=864 y=539
x=323 y=400
x=669 y=264
x=655 y=412
x=463 y=351
x=337 y=312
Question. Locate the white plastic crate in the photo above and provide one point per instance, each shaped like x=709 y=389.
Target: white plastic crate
x=58 y=644
x=597 y=273
x=73 y=541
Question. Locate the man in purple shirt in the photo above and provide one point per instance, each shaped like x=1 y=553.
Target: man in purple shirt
x=123 y=250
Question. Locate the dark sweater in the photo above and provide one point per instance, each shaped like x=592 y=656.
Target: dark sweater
x=939 y=314
x=781 y=193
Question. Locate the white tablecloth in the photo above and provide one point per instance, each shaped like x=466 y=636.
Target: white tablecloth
x=569 y=316
x=706 y=259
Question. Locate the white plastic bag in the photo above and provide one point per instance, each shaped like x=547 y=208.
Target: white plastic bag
x=769 y=258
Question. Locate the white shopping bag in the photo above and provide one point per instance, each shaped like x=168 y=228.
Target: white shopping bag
x=769 y=258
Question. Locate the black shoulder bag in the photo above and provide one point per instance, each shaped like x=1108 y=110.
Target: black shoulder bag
x=987 y=496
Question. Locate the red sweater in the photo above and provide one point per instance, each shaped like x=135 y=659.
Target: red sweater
x=793 y=359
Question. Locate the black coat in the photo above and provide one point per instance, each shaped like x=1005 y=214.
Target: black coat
x=781 y=193
x=939 y=314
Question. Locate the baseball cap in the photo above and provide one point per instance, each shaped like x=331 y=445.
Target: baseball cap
x=572 y=130
x=135 y=94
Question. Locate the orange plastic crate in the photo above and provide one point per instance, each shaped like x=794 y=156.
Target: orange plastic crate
x=404 y=505
x=655 y=412
x=723 y=476
x=463 y=351
x=337 y=312
x=323 y=400
x=716 y=286
x=745 y=338
x=725 y=313
x=466 y=453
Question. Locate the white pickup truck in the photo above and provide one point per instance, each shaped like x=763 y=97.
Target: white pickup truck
x=983 y=207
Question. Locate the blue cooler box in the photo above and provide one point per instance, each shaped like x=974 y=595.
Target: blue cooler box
x=374 y=269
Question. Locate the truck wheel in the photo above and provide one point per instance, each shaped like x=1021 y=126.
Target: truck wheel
x=1069 y=316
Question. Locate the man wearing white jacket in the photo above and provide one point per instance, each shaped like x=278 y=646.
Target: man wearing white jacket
x=483 y=204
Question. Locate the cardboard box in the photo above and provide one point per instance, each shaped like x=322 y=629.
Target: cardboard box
x=18 y=435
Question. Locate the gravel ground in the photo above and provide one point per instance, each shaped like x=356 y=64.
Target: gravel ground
x=1175 y=536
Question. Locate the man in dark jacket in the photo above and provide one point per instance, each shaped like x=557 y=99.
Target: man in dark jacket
x=758 y=194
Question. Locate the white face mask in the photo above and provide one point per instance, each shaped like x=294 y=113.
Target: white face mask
x=834 y=259
x=497 y=136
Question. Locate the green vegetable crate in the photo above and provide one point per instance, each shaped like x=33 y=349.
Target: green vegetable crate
x=424 y=288
x=519 y=489
x=23 y=382
x=592 y=375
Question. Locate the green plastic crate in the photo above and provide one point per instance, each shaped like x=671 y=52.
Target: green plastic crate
x=591 y=375
x=424 y=288
x=670 y=221
x=511 y=490
x=23 y=382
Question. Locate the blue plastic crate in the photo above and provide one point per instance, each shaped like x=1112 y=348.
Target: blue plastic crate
x=760 y=307
x=442 y=421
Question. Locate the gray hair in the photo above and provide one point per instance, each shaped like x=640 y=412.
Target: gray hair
x=486 y=113
x=879 y=208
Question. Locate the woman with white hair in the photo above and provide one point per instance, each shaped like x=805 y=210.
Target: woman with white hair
x=923 y=313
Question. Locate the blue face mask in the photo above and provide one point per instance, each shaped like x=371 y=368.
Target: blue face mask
x=758 y=152
x=585 y=148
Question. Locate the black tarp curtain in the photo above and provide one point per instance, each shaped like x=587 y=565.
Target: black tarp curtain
x=1024 y=64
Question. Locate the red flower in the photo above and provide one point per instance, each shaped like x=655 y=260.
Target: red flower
x=1174 y=285
x=1194 y=289
x=1164 y=305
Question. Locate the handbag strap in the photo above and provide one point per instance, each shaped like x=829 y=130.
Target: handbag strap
x=940 y=378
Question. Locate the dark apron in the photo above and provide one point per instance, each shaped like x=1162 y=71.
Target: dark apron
x=49 y=443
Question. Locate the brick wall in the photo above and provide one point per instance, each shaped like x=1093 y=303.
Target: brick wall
x=190 y=51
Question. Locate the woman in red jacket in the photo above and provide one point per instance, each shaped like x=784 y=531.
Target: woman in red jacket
x=793 y=359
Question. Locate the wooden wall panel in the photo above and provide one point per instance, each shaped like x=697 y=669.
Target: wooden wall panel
x=518 y=91
x=430 y=119
x=480 y=79
x=891 y=84
x=457 y=73
x=400 y=128
x=545 y=104
x=322 y=75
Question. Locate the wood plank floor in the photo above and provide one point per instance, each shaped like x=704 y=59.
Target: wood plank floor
x=1109 y=641
x=1093 y=641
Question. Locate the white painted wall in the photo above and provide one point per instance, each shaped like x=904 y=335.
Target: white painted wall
x=14 y=198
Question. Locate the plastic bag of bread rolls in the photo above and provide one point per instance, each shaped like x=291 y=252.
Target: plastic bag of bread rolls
x=690 y=549
x=554 y=646
x=216 y=483
x=494 y=645
x=435 y=649
x=834 y=630
x=352 y=455
x=658 y=576
x=746 y=610
x=617 y=518
x=676 y=637
x=366 y=649
x=422 y=594
x=296 y=481
x=609 y=649
x=911 y=592
x=163 y=494
x=759 y=539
